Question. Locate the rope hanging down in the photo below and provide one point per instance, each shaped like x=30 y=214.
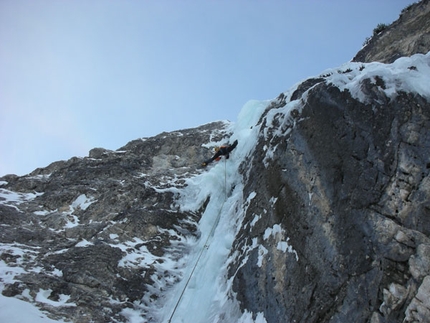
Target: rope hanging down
x=225 y=178
x=204 y=246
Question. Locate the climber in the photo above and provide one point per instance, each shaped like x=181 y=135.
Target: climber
x=221 y=151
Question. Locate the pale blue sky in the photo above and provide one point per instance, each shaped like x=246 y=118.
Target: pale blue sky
x=75 y=75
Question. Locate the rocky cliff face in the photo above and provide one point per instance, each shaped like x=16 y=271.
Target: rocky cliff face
x=408 y=35
x=332 y=211
x=344 y=189
x=347 y=188
x=96 y=232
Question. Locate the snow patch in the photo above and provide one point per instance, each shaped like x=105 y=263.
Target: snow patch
x=277 y=233
x=84 y=243
x=407 y=74
x=273 y=201
x=255 y=220
x=42 y=213
x=247 y=317
x=11 y=198
x=13 y=310
x=82 y=202
x=262 y=251
x=43 y=297
x=72 y=221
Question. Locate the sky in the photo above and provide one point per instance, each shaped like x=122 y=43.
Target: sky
x=75 y=75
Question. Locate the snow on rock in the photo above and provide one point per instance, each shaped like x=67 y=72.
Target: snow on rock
x=82 y=202
x=43 y=297
x=13 y=310
x=407 y=74
x=173 y=243
x=281 y=242
x=13 y=199
x=342 y=149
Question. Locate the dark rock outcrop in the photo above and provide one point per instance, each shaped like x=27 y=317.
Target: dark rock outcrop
x=341 y=214
x=347 y=192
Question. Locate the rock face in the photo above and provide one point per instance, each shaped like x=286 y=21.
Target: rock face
x=337 y=229
x=96 y=231
x=347 y=193
x=408 y=35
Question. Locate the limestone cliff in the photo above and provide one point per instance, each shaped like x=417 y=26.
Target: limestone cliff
x=96 y=232
x=347 y=185
x=325 y=204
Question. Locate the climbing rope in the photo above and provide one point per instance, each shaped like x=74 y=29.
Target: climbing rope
x=225 y=178
x=205 y=246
